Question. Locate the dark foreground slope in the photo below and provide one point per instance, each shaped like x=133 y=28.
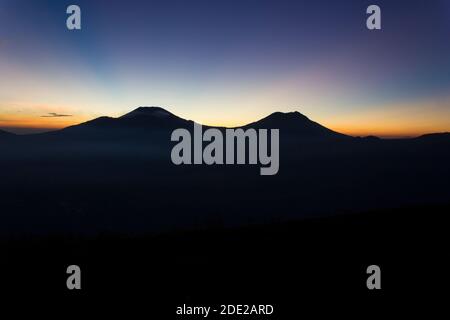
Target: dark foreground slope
x=314 y=267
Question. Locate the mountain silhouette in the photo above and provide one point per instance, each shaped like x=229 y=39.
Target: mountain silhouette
x=153 y=125
x=116 y=175
x=139 y=122
x=148 y=122
x=297 y=124
x=153 y=112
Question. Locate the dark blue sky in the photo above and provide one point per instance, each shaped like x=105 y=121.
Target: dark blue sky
x=229 y=62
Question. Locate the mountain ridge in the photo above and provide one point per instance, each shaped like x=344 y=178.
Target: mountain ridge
x=157 y=118
x=151 y=118
x=295 y=123
x=6 y=133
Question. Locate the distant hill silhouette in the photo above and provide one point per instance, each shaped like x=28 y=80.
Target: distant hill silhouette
x=5 y=133
x=435 y=136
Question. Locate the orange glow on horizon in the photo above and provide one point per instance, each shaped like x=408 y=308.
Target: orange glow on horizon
x=387 y=133
x=40 y=123
x=360 y=129
x=406 y=119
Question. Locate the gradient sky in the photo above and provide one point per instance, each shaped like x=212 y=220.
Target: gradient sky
x=228 y=62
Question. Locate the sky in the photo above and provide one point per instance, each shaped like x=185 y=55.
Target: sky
x=228 y=62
